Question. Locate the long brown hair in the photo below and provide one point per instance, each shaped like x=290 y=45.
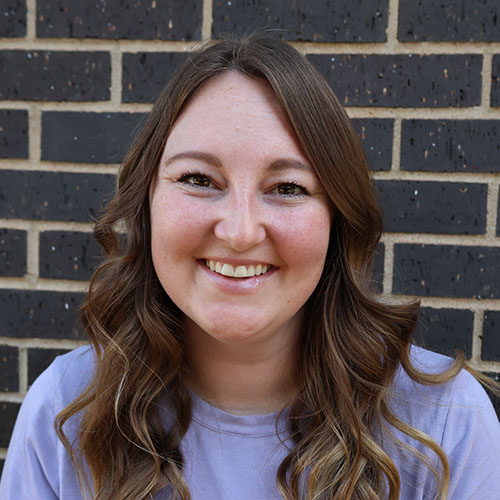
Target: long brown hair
x=350 y=347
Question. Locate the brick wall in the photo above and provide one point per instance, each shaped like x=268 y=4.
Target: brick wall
x=420 y=79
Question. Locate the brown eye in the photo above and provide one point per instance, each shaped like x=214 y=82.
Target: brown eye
x=197 y=180
x=290 y=189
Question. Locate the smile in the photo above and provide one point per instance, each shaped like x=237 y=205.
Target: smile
x=237 y=271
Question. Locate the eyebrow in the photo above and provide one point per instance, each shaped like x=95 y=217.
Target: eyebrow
x=276 y=166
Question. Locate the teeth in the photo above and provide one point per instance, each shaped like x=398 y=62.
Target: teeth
x=227 y=270
x=238 y=271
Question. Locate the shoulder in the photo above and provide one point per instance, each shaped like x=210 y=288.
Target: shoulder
x=37 y=465
x=462 y=390
x=64 y=380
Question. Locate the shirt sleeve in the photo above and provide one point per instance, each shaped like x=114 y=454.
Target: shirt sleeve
x=30 y=470
x=471 y=439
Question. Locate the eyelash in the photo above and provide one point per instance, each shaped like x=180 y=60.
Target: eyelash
x=184 y=176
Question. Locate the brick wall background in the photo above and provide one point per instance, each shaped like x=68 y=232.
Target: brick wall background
x=421 y=80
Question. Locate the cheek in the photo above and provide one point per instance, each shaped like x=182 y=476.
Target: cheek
x=305 y=238
x=176 y=226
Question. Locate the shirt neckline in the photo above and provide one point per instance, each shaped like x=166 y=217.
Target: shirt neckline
x=221 y=421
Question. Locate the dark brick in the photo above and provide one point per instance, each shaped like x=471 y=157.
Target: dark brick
x=53 y=195
x=308 y=20
x=146 y=73
x=39 y=360
x=494 y=399
x=54 y=76
x=12 y=252
x=40 y=314
x=376 y=136
x=403 y=80
x=450 y=145
x=378 y=269
x=495 y=82
x=438 y=21
x=498 y=213
x=490 y=350
x=72 y=136
x=8 y=415
x=9 y=372
x=445 y=330
x=447 y=271
x=155 y=20
x=433 y=207
x=68 y=255
x=13 y=18
x=13 y=133
x=2 y=462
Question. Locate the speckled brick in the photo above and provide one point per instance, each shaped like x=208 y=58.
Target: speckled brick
x=13 y=18
x=9 y=371
x=12 y=252
x=136 y=19
x=376 y=136
x=8 y=415
x=445 y=330
x=451 y=145
x=39 y=360
x=61 y=196
x=498 y=213
x=307 y=20
x=13 y=133
x=69 y=255
x=146 y=73
x=490 y=348
x=54 y=76
x=403 y=80
x=433 y=207
x=378 y=269
x=447 y=271
x=40 y=314
x=71 y=136
x=438 y=21
x=495 y=81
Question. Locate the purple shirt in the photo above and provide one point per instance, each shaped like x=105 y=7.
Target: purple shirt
x=231 y=457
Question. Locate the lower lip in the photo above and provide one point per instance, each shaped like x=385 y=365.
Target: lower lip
x=237 y=285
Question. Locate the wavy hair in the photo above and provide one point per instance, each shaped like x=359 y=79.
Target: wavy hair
x=350 y=348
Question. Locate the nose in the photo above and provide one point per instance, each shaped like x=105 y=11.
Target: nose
x=240 y=225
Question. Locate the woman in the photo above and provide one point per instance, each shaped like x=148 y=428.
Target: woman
x=237 y=351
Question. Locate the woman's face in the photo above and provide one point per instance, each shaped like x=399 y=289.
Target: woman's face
x=239 y=220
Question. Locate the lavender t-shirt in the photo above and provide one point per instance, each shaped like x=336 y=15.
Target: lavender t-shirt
x=231 y=457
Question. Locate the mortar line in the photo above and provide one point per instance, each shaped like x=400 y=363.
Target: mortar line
x=392 y=25
x=396 y=146
x=388 y=265
x=486 y=81
x=23 y=370
x=431 y=113
x=207 y=20
x=34 y=133
x=30 y=21
x=477 y=331
x=116 y=76
x=3 y=453
x=492 y=209
x=79 y=168
x=33 y=252
x=38 y=343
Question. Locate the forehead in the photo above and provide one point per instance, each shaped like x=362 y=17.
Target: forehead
x=233 y=109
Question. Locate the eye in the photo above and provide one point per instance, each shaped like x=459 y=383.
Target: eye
x=195 y=179
x=291 y=189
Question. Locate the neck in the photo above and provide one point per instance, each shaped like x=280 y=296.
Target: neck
x=243 y=378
